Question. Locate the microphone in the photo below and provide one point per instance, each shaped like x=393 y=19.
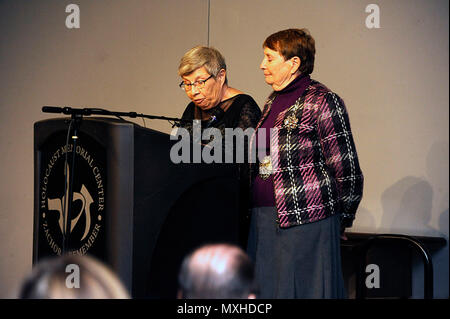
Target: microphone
x=216 y=116
x=67 y=110
x=52 y=109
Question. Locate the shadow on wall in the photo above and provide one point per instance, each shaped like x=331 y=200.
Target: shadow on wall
x=364 y=221
x=438 y=171
x=408 y=204
x=443 y=223
x=407 y=207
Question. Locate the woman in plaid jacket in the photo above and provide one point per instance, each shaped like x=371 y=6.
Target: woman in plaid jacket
x=308 y=184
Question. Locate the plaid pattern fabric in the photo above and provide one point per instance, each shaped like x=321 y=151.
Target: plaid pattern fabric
x=316 y=171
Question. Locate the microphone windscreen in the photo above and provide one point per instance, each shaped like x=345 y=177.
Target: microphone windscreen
x=52 y=109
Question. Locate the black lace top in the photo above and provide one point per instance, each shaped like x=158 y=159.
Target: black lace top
x=240 y=111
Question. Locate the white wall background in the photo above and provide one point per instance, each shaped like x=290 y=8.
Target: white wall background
x=125 y=55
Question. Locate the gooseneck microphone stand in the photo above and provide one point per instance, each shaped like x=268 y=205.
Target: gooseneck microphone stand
x=74 y=125
x=96 y=111
x=75 y=122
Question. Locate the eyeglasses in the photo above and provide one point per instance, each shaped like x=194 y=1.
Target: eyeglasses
x=200 y=84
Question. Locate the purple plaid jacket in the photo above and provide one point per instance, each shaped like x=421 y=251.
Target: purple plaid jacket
x=315 y=167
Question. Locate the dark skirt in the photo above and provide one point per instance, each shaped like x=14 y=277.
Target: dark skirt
x=298 y=262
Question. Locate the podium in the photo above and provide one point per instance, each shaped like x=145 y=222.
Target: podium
x=132 y=207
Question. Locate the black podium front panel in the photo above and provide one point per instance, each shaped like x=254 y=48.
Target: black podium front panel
x=132 y=207
x=87 y=231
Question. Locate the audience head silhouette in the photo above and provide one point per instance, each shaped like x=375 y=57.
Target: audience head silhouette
x=72 y=277
x=217 y=271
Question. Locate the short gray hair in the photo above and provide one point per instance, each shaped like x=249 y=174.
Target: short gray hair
x=199 y=56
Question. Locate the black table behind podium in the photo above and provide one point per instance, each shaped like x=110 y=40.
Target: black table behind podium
x=133 y=208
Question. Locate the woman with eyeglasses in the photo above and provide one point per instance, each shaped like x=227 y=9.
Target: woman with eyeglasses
x=204 y=79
